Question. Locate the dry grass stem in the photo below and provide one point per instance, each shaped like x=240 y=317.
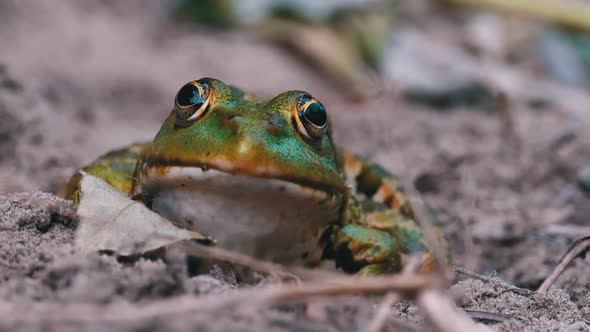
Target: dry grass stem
x=423 y=219
x=579 y=247
x=568 y=230
x=484 y=315
x=384 y=308
x=510 y=287
x=443 y=313
x=273 y=269
x=251 y=298
x=574 y=14
x=507 y=121
x=378 y=321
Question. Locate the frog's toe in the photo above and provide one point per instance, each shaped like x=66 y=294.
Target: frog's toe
x=375 y=270
x=358 y=248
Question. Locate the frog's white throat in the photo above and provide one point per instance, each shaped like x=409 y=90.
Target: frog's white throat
x=266 y=218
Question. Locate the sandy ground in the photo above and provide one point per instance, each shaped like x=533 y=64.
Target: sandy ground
x=77 y=80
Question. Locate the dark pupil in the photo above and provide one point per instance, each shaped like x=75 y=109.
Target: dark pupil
x=188 y=95
x=315 y=113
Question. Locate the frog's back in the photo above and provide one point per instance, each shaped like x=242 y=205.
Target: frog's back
x=115 y=167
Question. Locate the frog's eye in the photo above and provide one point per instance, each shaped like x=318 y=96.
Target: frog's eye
x=192 y=102
x=310 y=118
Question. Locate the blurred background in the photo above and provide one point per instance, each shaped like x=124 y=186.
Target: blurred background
x=483 y=104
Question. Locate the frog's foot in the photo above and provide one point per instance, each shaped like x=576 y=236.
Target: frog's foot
x=426 y=264
x=382 y=246
x=365 y=250
x=409 y=237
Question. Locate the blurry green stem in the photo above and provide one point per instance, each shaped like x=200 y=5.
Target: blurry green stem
x=567 y=13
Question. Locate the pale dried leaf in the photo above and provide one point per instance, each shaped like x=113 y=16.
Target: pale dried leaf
x=109 y=220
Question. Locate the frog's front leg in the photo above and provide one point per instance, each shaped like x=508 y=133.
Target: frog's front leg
x=379 y=231
x=364 y=250
x=380 y=243
x=115 y=167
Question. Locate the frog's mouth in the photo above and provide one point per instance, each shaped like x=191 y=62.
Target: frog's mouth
x=265 y=217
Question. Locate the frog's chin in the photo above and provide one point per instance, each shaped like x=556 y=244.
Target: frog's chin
x=263 y=217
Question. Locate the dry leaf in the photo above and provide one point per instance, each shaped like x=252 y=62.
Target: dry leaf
x=109 y=220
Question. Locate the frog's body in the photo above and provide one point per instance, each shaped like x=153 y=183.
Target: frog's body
x=263 y=177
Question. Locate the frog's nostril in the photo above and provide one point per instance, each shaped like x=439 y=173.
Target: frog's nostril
x=229 y=120
x=272 y=129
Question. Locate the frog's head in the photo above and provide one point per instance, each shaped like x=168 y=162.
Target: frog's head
x=217 y=126
x=217 y=129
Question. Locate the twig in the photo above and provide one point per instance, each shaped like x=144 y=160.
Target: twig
x=507 y=121
x=487 y=316
x=424 y=221
x=273 y=269
x=252 y=297
x=512 y=288
x=376 y=324
x=568 y=230
x=572 y=14
x=579 y=247
x=445 y=315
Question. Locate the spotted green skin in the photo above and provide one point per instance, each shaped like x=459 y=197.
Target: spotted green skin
x=257 y=137
x=242 y=134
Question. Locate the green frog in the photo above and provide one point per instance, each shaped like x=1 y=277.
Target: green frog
x=264 y=177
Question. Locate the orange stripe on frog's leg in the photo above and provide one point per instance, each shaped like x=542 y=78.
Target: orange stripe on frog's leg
x=375 y=182
x=352 y=166
x=390 y=195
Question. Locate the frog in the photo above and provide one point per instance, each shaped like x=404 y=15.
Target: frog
x=264 y=177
